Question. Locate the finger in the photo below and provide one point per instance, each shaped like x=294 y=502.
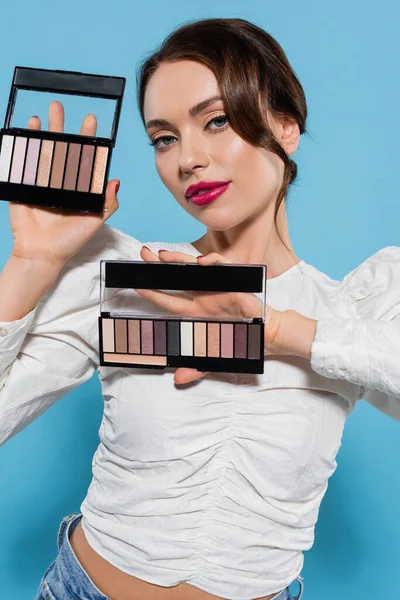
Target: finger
x=148 y=254
x=212 y=259
x=34 y=123
x=56 y=116
x=173 y=256
x=184 y=375
x=89 y=125
x=111 y=202
x=174 y=304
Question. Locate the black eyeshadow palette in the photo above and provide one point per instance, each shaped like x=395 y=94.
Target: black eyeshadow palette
x=48 y=168
x=130 y=337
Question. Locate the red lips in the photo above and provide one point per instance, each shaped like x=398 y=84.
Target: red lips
x=203 y=185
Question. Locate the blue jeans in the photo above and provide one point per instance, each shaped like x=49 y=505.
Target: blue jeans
x=65 y=579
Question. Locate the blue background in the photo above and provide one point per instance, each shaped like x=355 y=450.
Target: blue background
x=343 y=208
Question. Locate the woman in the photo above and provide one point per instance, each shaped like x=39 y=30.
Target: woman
x=205 y=489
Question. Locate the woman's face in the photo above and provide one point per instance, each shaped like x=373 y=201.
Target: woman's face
x=195 y=143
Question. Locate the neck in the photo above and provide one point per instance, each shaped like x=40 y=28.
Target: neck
x=254 y=242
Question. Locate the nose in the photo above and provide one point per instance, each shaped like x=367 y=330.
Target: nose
x=193 y=154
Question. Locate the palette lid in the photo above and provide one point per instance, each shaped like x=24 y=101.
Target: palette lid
x=207 y=285
x=67 y=82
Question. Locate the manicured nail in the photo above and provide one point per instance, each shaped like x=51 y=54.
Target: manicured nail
x=35 y=117
x=163 y=250
x=146 y=247
x=117 y=187
x=201 y=256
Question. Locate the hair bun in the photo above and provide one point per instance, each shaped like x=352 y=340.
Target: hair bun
x=293 y=170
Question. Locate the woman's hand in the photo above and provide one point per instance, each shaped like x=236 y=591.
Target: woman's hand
x=51 y=236
x=286 y=332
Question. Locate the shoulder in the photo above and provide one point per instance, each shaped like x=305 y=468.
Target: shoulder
x=372 y=289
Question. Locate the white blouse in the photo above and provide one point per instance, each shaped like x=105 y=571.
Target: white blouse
x=217 y=483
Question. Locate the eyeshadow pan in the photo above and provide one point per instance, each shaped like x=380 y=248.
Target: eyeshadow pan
x=186 y=338
x=57 y=169
x=71 y=169
x=121 y=336
x=160 y=337
x=254 y=341
x=173 y=338
x=213 y=339
x=5 y=156
x=46 y=155
x=136 y=359
x=18 y=159
x=108 y=335
x=31 y=163
x=99 y=170
x=240 y=340
x=200 y=339
x=134 y=336
x=147 y=337
x=227 y=340
x=85 y=168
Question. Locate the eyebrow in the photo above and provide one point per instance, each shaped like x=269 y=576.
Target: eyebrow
x=193 y=112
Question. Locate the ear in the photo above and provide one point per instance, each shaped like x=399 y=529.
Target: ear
x=289 y=134
x=286 y=130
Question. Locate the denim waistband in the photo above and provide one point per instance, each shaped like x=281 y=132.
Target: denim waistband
x=68 y=562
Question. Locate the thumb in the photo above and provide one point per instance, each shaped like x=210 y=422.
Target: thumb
x=184 y=375
x=111 y=202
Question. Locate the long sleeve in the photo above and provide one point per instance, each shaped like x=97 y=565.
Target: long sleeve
x=365 y=348
x=54 y=348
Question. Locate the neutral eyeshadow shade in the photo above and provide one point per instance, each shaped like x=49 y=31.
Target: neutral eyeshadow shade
x=18 y=159
x=31 y=163
x=71 y=169
x=227 y=340
x=5 y=156
x=99 y=171
x=240 y=340
x=200 y=339
x=254 y=341
x=108 y=335
x=160 y=337
x=173 y=338
x=121 y=335
x=134 y=336
x=186 y=338
x=213 y=340
x=57 y=169
x=46 y=155
x=85 y=168
x=136 y=359
x=147 y=337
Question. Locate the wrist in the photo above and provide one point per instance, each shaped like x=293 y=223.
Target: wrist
x=299 y=333
x=22 y=283
x=290 y=332
x=35 y=267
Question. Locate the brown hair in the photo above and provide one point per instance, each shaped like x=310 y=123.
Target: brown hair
x=249 y=65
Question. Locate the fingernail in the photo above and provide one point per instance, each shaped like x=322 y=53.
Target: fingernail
x=146 y=247
x=163 y=250
x=35 y=117
x=201 y=256
x=117 y=187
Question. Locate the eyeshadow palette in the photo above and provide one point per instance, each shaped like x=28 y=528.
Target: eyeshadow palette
x=136 y=333
x=51 y=168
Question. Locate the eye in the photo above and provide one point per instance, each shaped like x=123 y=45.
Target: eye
x=162 y=141
x=220 y=121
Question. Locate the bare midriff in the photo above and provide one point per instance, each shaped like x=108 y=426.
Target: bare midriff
x=117 y=585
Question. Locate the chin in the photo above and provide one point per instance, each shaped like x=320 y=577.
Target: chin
x=222 y=222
